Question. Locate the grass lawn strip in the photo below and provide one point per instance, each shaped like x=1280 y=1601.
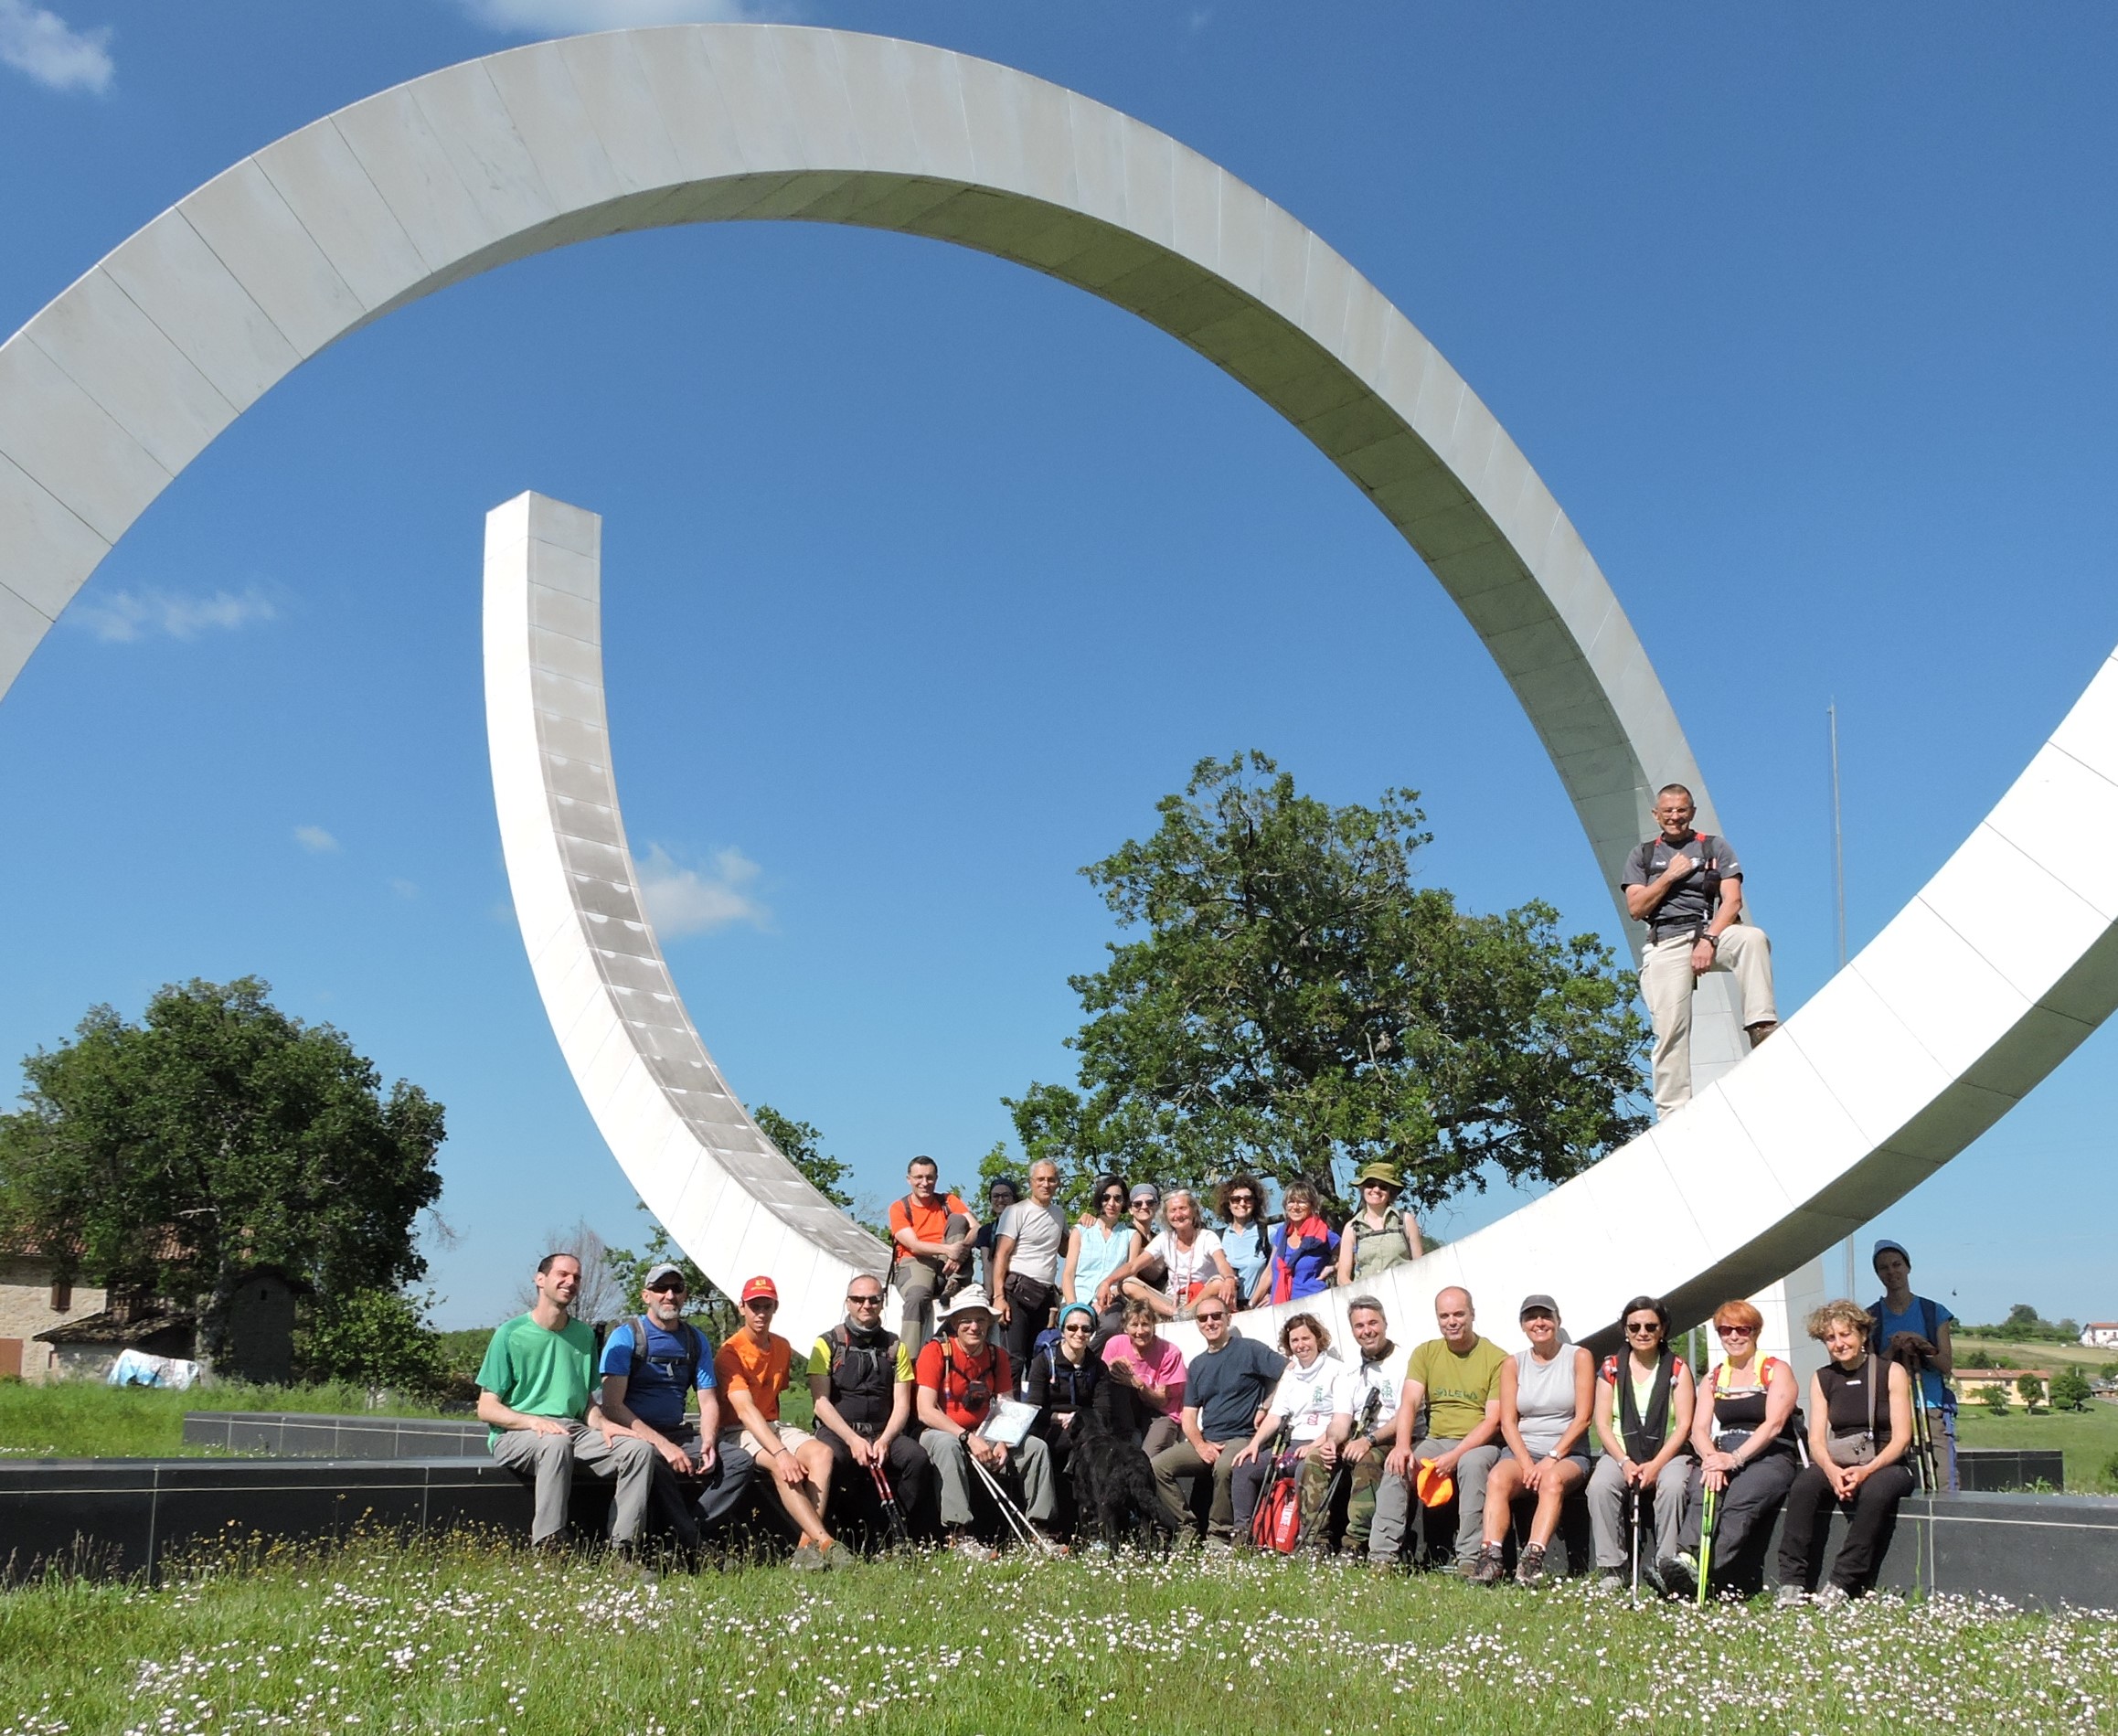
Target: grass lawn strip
x=86 y=1420
x=459 y=1636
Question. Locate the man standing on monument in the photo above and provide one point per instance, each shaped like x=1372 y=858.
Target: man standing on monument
x=1687 y=887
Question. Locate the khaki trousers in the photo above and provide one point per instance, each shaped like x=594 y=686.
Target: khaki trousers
x=1666 y=984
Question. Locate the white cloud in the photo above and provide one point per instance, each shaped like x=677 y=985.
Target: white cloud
x=127 y=615
x=50 y=50
x=315 y=841
x=682 y=900
x=404 y=888
x=564 y=17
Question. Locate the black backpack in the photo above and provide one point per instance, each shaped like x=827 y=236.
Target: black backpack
x=686 y=1332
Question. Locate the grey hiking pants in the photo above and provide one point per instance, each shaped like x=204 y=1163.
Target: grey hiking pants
x=551 y=1461
x=950 y=1461
x=1472 y=1470
x=1182 y=1460
x=1607 y=1506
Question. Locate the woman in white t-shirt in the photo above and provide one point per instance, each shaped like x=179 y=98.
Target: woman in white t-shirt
x=1192 y=1254
x=1314 y=1402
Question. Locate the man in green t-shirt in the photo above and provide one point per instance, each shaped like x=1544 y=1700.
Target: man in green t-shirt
x=1457 y=1376
x=538 y=1397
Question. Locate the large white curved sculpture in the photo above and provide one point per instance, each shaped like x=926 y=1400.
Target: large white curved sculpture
x=123 y=380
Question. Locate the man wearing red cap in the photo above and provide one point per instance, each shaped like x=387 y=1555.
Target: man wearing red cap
x=753 y=1368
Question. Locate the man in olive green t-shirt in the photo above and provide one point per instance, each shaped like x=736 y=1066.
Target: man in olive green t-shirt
x=1457 y=1376
x=538 y=1397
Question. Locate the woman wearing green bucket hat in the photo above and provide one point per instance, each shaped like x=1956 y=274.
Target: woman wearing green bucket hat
x=1379 y=1235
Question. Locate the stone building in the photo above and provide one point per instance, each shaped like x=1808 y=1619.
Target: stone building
x=33 y=1299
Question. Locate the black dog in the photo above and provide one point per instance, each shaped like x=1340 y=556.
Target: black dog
x=1112 y=1480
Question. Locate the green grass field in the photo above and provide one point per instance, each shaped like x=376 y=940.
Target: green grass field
x=85 y=1420
x=462 y=1638
x=2017 y=1353
x=2089 y=1438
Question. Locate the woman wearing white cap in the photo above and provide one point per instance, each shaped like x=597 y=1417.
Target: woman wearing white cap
x=1546 y=1395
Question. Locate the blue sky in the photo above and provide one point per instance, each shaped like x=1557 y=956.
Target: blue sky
x=925 y=575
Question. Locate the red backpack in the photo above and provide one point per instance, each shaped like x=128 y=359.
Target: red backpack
x=1277 y=1524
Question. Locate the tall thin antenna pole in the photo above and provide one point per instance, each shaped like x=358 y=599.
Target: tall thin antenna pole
x=1838 y=893
x=1837 y=834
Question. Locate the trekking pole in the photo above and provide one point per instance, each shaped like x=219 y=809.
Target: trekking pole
x=893 y=1515
x=1632 y=1504
x=1705 y=1544
x=1018 y=1521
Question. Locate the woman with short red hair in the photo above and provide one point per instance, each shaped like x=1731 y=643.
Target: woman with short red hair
x=1743 y=1430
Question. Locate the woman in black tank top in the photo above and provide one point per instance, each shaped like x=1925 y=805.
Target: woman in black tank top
x=1860 y=1424
x=1742 y=1430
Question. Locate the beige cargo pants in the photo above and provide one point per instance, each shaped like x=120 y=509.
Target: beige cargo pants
x=1667 y=984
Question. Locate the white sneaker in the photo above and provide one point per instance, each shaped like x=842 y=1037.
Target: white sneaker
x=1790 y=1597
x=971 y=1549
x=1830 y=1597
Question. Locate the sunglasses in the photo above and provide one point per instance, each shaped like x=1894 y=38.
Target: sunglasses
x=1242 y=1200
x=1204 y=1318
x=760 y=1304
x=865 y=1302
x=1737 y=1332
x=1070 y=1330
x=1108 y=1197
x=1637 y=1327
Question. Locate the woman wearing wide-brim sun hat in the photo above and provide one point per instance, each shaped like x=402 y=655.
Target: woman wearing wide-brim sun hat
x=1381 y=1233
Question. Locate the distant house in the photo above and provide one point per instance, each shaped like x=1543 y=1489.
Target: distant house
x=84 y=1349
x=33 y=1299
x=1972 y=1382
x=53 y=1330
x=2100 y=1335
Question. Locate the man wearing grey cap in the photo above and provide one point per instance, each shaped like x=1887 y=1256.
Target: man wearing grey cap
x=652 y=1363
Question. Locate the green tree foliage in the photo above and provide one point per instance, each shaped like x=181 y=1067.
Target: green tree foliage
x=2023 y=1315
x=1994 y=1398
x=2030 y=1390
x=218 y=1135
x=2070 y=1390
x=372 y=1338
x=1291 y=1000
x=802 y=1146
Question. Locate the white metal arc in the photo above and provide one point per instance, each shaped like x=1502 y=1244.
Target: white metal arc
x=1932 y=1032
x=686 y=1141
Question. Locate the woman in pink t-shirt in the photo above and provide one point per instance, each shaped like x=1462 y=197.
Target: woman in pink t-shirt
x=1150 y=1370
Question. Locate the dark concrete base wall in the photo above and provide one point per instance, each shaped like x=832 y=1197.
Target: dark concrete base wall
x=110 y=1518
x=2042 y=1551
x=292 y=1434
x=125 y=1518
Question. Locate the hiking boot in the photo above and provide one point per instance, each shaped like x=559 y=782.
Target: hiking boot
x=963 y=1544
x=1609 y=1581
x=1831 y=1597
x=836 y=1555
x=1678 y=1573
x=1529 y=1568
x=1488 y=1568
x=1220 y=1546
x=1790 y=1597
x=808 y=1558
x=1053 y=1544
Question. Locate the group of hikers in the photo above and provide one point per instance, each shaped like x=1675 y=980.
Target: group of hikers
x=1029 y=1376
x=977 y=1417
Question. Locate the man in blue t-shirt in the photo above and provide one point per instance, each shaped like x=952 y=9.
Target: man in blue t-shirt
x=1925 y=1323
x=645 y=1387
x=1226 y=1389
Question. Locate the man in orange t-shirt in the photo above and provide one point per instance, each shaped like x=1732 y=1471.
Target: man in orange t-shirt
x=751 y=1370
x=931 y=1239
